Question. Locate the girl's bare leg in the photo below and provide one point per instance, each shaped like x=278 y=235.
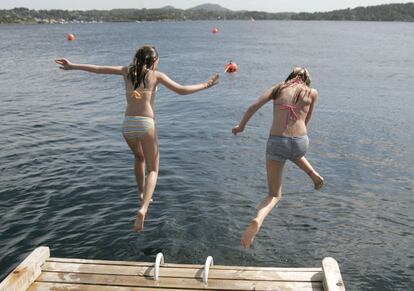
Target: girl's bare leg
x=139 y=166
x=274 y=180
x=140 y=172
x=150 y=149
x=307 y=167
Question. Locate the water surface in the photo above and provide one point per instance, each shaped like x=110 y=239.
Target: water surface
x=67 y=178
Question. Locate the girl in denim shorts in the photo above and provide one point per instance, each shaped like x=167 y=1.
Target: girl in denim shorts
x=293 y=103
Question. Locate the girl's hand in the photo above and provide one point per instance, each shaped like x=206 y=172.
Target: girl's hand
x=212 y=81
x=237 y=129
x=65 y=64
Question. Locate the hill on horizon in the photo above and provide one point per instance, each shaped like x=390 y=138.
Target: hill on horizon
x=387 y=12
x=168 y=7
x=209 y=7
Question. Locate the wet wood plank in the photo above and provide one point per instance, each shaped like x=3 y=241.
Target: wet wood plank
x=260 y=275
x=332 y=275
x=42 y=286
x=26 y=273
x=149 y=264
x=180 y=283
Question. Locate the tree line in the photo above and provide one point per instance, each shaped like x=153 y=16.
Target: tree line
x=388 y=12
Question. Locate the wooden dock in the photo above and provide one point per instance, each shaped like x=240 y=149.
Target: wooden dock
x=39 y=271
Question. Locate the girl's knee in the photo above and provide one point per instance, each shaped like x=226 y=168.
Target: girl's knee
x=139 y=158
x=152 y=169
x=276 y=194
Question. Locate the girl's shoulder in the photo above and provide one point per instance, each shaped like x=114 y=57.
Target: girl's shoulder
x=314 y=92
x=157 y=74
x=153 y=75
x=277 y=85
x=276 y=89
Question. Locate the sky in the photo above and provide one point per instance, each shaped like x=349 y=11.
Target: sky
x=258 y=5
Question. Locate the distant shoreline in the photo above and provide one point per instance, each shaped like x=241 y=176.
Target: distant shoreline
x=172 y=21
x=206 y=12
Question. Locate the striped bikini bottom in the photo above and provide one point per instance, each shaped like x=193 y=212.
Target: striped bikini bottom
x=135 y=127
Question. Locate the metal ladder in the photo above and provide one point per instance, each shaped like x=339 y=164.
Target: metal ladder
x=159 y=260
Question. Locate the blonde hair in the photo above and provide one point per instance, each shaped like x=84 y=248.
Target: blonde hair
x=302 y=73
x=298 y=73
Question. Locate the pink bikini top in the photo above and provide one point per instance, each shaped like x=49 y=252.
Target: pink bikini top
x=290 y=107
x=291 y=114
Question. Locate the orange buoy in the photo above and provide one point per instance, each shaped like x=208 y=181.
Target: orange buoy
x=70 y=37
x=231 y=67
x=215 y=30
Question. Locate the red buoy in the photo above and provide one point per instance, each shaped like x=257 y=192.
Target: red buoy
x=215 y=30
x=70 y=37
x=231 y=67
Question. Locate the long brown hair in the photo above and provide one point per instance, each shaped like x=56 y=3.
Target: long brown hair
x=144 y=59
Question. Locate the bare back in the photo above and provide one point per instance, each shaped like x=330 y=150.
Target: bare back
x=140 y=102
x=291 y=108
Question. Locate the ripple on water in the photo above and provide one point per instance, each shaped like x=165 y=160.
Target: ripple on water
x=67 y=176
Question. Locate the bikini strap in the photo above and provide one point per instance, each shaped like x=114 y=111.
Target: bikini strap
x=291 y=107
x=298 y=93
x=284 y=85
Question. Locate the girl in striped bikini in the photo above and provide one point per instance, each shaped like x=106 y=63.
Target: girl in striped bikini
x=293 y=102
x=139 y=130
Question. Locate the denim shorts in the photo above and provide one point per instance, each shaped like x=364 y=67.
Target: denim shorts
x=282 y=148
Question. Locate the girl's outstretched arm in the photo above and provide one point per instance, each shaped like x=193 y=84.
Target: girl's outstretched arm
x=314 y=96
x=65 y=64
x=188 y=89
x=266 y=97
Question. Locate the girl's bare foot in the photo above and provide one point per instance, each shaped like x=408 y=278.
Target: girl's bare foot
x=139 y=221
x=317 y=180
x=249 y=234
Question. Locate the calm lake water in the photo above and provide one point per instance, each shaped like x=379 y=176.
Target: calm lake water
x=67 y=175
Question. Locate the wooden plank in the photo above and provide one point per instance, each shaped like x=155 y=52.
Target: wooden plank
x=26 y=273
x=332 y=275
x=79 y=287
x=98 y=262
x=180 y=283
x=183 y=272
x=148 y=264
